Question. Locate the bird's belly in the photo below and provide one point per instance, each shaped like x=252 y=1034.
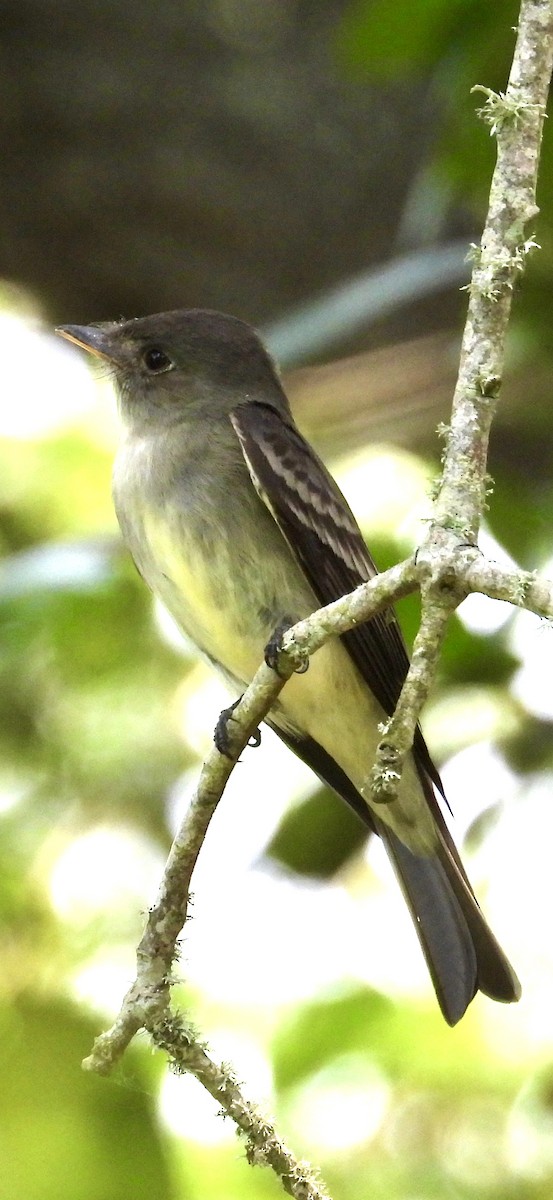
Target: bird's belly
x=222 y=601
x=225 y=604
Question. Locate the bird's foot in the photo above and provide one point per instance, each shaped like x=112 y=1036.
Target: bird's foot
x=274 y=647
x=221 y=732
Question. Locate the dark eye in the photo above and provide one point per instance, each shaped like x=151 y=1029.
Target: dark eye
x=156 y=360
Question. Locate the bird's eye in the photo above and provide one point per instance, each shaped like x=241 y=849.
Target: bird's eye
x=156 y=360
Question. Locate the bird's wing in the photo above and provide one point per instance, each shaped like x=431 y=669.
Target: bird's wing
x=325 y=538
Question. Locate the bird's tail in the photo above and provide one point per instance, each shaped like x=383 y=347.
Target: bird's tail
x=462 y=954
x=460 y=949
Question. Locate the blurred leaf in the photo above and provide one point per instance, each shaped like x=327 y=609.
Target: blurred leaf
x=373 y=35
x=212 y=1172
x=388 y=40
x=532 y=748
x=315 y=838
x=84 y=683
x=67 y=1134
x=473 y=658
x=53 y=487
x=25 y=915
x=520 y=507
x=324 y=1029
x=407 y=1041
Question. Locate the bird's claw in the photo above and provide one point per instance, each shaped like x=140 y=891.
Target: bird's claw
x=274 y=648
x=221 y=732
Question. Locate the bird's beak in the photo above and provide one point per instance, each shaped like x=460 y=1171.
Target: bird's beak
x=94 y=338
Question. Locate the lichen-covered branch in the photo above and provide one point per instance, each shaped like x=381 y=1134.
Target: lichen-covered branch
x=263 y=1146
x=516 y=120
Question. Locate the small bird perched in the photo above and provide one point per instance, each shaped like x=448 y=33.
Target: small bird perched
x=235 y=523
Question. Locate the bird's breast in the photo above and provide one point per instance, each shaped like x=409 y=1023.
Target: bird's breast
x=207 y=546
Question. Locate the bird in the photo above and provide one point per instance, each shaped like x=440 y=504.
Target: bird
x=236 y=524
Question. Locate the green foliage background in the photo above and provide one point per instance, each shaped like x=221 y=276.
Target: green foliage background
x=89 y=739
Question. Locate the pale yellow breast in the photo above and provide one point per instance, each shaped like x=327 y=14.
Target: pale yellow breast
x=198 y=591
